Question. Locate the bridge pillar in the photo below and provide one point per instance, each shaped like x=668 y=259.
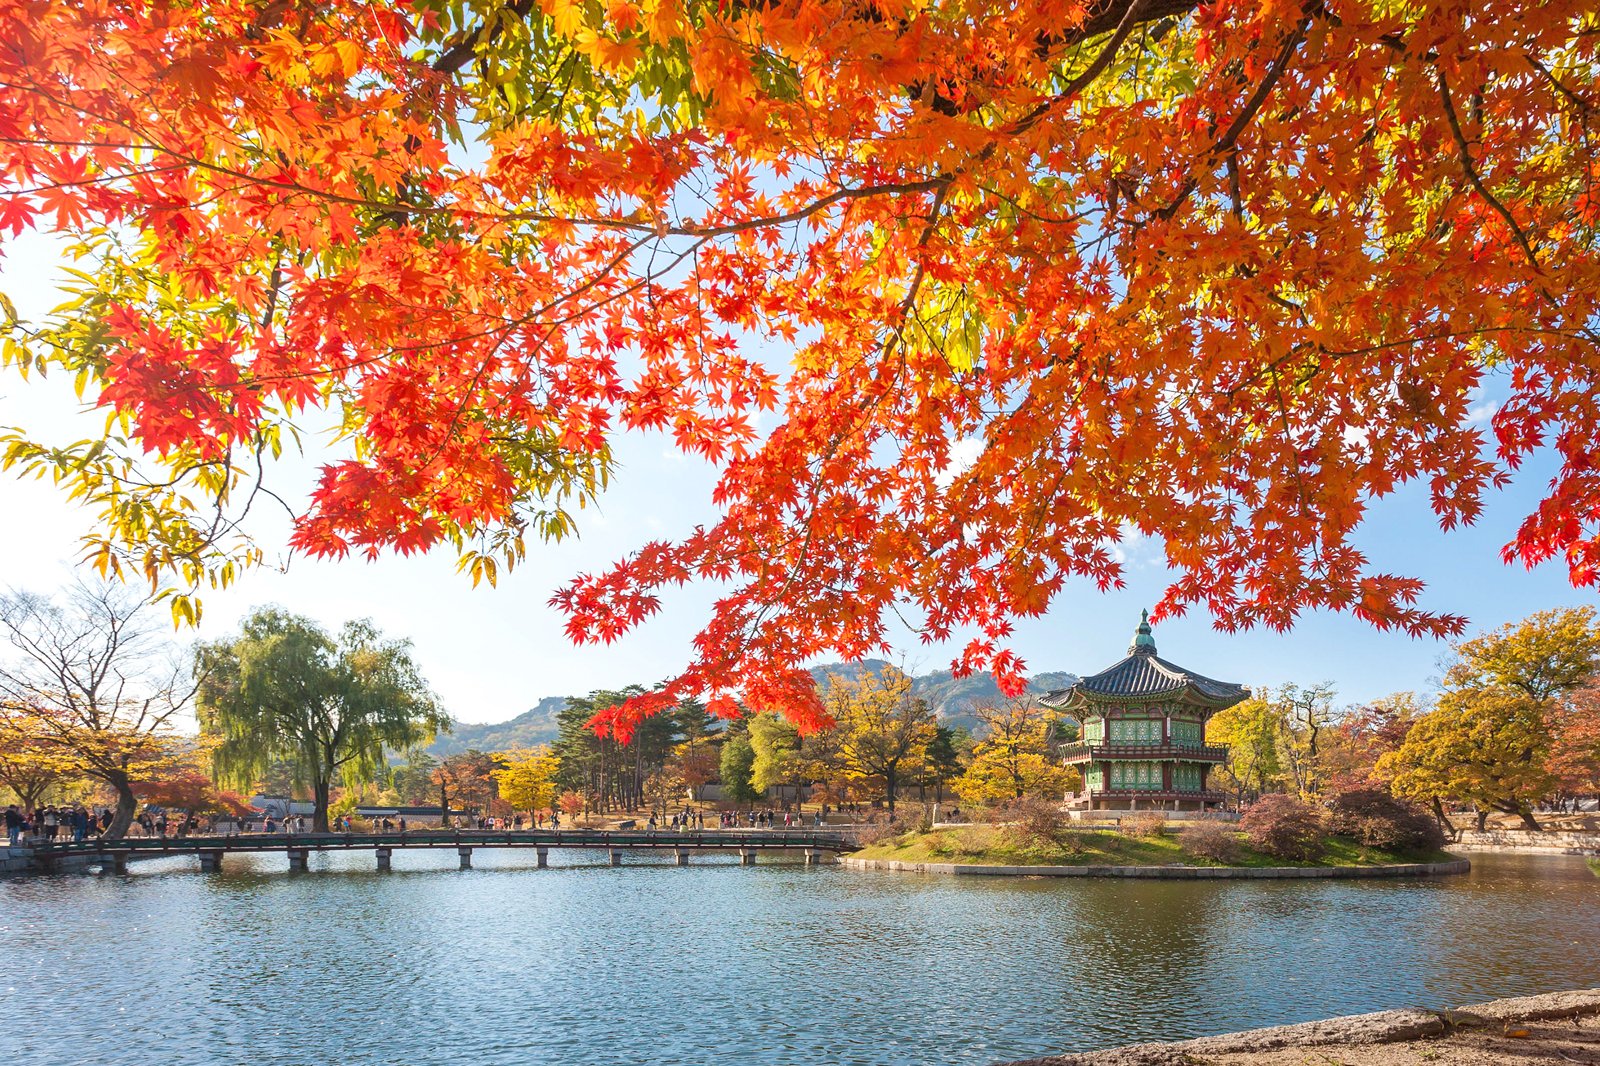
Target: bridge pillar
x=211 y=862
x=616 y=856
x=681 y=856
x=747 y=856
x=466 y=857
x=116 y=862
x=544 y=856
x=385 y=855
x=297 y=860
x=813 y=857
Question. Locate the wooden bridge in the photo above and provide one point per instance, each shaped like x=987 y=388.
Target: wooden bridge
x=114 y=855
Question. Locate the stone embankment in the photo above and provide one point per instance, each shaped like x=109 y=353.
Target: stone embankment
x=1528 y=842
x=1170 y=873
x=1558 y=1028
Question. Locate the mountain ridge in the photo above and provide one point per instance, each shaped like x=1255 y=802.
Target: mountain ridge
x=950 y=697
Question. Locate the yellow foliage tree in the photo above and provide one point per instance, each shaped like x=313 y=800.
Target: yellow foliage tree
x=527 y=778
x=1013 y=759
x=883 y=730
x=1485 y=746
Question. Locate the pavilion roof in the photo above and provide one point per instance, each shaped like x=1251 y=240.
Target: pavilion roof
x=1143 y=675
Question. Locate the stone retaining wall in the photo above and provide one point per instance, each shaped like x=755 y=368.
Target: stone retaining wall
x=1525 y=840
x=15 y=860
x=1382 y=1027
x=1173 y=873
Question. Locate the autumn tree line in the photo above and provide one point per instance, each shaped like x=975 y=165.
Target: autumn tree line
x=96 y=701
x=1513 y=728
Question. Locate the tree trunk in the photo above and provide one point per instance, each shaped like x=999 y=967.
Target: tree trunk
x=889 y=779
x=444 y=807
x=319 y=816
x=1483 y=818
x=127 y=804
x=1528 y=821
x=1444 y=820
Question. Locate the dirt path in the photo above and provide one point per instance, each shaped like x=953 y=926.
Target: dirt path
x=1555 y=1029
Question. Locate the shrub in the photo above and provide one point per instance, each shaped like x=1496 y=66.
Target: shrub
x=1374 y=818
x=1210 y=840
x=1143 y=824
x=1034 y=824
x=1285 y=827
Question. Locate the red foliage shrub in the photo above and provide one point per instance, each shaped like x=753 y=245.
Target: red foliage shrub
x=1284 y=826
x=1377 y=819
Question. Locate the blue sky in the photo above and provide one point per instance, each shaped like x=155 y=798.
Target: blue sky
x=492 y=652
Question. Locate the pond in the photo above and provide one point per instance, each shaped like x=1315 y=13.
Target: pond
x=774 y=965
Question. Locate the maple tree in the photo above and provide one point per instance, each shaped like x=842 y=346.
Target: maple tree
x=1017 y=279
x=1575 y=751
x=191 y=789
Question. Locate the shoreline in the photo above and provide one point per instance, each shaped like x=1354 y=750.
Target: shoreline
x=1500 y=1031
x=1172 y=873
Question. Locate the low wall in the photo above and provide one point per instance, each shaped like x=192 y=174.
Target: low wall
x=1382 y=1027
x=1525 y=840
x=1172 y=873
x=15 y=860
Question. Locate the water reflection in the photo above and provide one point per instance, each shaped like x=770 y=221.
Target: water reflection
x=585 y=964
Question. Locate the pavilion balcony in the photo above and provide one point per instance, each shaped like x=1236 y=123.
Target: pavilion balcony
x=1172 y=749
x=1162 y=795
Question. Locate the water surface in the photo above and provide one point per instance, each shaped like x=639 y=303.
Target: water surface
x=585 y=965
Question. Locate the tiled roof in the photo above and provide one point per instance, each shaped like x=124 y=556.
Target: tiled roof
x=1143 y=675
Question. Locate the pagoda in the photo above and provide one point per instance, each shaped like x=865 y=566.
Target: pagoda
x=1143 y=740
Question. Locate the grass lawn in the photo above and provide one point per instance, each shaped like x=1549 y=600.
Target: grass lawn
x=982 y=844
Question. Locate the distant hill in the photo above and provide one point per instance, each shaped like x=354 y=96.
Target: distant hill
x=535 y=726
x=950 y=698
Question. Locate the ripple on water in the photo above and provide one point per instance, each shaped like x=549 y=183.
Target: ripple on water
x=585 y=964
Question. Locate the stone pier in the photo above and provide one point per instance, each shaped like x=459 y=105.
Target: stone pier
x=117 y=863
x=466 y=857
x=297 y=860
x=747 y=856
x=680 y=856
x=210 y=862
x=385 y=859
x=544 y=857
x=616 y=856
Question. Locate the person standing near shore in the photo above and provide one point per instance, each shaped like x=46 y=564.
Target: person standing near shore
x=13 y=825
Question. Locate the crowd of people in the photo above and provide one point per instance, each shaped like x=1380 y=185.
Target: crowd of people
x=54 y=824
x=58 y=824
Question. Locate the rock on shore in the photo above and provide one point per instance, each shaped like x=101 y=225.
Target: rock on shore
x=1558 y=1028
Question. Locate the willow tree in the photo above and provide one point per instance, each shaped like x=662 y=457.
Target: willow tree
x=328 y=707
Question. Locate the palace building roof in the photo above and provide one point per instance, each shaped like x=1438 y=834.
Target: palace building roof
x=1145 y=676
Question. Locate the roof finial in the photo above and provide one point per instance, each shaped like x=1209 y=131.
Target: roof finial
x=1143 y=642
